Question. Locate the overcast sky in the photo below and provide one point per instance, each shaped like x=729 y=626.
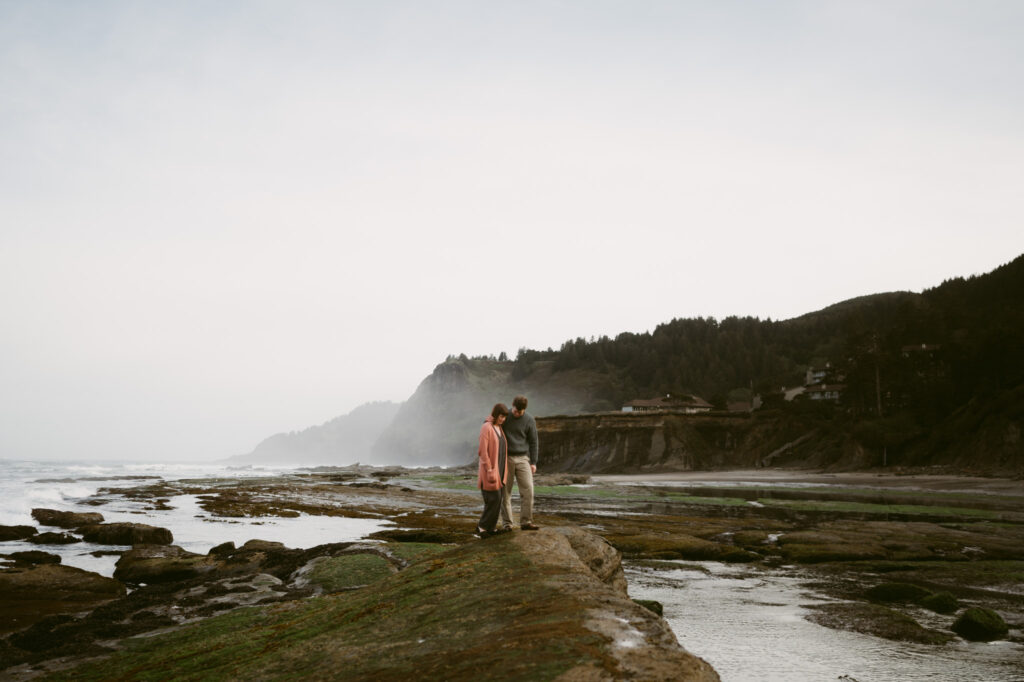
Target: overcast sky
x=223 y=220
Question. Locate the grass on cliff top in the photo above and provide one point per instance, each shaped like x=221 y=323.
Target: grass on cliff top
x=459 y=615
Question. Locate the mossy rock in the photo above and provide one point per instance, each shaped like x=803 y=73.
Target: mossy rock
x=941 y=602
x=441 y=618
x=751 y=539
x=651 y=605
x=821 y=553
x=898 y=592
x=678 y=547
x=444 y=537
x=980 y=625
x=415 y=551
x=348 y=571
x=877 y=620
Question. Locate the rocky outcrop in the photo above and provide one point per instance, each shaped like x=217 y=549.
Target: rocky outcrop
x=34 y=557
x=8 y=533
x=66 y=519
x=437 y=614
x=30 y=592
x=161 y=564
x=54 y=539
x=126 y=534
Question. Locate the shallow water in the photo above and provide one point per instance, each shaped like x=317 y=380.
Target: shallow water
x=25 y=485
x=749 y=624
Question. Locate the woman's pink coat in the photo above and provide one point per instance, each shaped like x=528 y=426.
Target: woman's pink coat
x=488 y=477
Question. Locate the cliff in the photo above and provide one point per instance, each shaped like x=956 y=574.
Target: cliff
x=616 y=442
x=982 y=440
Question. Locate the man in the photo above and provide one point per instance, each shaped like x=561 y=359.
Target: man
x=521 y=433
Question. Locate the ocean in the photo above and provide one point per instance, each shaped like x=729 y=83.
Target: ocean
x=65 y=486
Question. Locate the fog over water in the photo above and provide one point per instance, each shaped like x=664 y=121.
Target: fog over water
x=223 y=221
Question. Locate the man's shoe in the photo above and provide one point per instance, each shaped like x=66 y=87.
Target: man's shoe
x=529 y=526
x=507 y=527
x=483 y=534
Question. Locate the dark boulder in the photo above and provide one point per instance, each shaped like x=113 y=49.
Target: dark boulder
x=151 y=564
x=66 y=519
x=54 y=539
x=980 y=625
x=223 y=549
x=16 y=532
x=126 y=534
x=34 y=557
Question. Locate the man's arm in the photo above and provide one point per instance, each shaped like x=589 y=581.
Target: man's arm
x=534 y=442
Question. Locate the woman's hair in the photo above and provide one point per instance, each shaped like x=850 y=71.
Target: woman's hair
x=499 y=411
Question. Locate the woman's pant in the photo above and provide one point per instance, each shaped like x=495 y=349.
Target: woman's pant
x=492 y=506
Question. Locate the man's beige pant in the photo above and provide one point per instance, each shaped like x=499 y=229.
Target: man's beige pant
x=519 y=469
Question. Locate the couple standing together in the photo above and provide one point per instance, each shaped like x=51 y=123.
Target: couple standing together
x=508 y=454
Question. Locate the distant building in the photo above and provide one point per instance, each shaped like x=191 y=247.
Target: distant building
x=824 y=391
x=818 y=375
x=688 y=404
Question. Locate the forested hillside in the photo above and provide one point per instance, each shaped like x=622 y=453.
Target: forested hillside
x=929 y=378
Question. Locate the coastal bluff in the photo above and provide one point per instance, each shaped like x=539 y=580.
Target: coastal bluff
x=546 y=605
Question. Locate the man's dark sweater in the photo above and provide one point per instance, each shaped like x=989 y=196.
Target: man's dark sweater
x=521 y=433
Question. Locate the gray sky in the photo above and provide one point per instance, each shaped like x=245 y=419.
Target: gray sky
x=223 y=220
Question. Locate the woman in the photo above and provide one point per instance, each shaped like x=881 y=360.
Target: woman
x=493 y=473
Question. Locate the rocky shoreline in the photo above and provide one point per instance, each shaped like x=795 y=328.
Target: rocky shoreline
x=884 y=552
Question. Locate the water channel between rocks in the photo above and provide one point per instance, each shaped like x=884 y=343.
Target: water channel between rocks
x=749 y=624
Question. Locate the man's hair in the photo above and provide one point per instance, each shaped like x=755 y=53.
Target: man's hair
x=499 y=410
x=519 y=402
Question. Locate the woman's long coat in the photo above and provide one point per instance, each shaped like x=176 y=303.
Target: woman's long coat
x=488 y=476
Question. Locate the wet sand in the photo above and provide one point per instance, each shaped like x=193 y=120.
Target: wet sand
x=935 y=482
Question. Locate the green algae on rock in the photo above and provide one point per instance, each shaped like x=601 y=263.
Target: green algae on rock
x=524 y=604
x=980 y=625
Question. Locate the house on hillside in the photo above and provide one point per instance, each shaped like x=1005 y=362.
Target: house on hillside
x=824 y=391
x=819 y=375
x=688 y=404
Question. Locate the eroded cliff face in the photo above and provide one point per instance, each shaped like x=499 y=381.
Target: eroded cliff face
x=624 y=442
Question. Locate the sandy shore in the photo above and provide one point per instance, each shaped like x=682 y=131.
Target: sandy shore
x=944 y=483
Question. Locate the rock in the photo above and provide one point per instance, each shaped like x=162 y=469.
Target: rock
x=261 y=545
x=874 y=619
x=29 y=593
x=151 y=564
x=54 y=539
x=603 y=560
x=223 y=549
x=980 y=625
x=8 y=533
x=126 y=534
x=897 y=592
x=35 y=557
x=652 y=605
x=66 y=519
x=442 y=537
x=941 y=602
x=436 y=619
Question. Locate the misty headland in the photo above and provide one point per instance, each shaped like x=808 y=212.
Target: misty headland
x=930 y=381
